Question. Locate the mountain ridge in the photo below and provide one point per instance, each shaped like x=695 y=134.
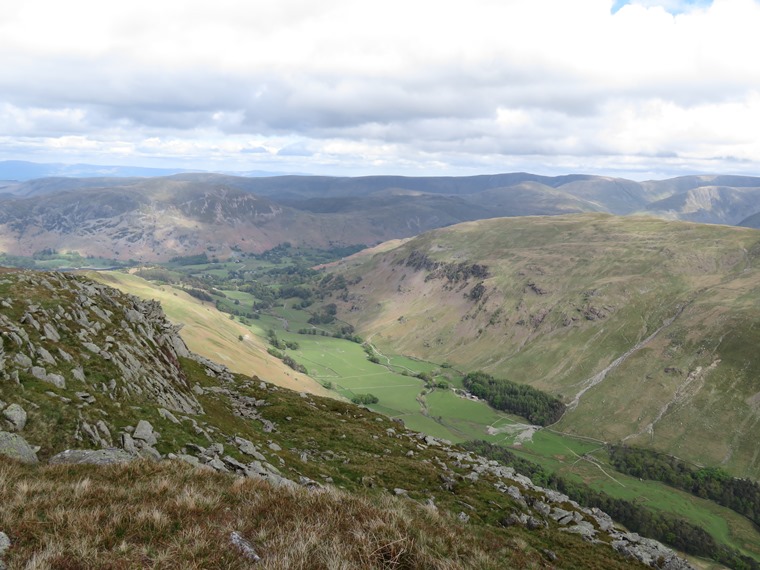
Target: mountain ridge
x=154 y=219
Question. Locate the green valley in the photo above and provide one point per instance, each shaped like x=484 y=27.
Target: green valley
x=420 y=389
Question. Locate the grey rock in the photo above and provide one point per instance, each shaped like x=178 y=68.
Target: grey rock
x=603 y=520
x=217 y=464
x=533 y=523
x=128 y=443
x=51 y=332
x=14 y=446
x=91 y=347
x=45 y=356
x=39 y=373
x=22 y=360
x=400 y=492
x=91 y=456
x=85 y=397
x=16 y=417
x=463 y=517
x=234 y=464
x=134 y=316
x=5 y=544
x=104 y=432
x=148 y=452
x=245 y=547
x=167 y=415
x=542 y=508
x=585 y=529
x=307 y=482
x=56 y=380
x=78 y=374
x=65 y=355
x=274 y=447
x=144 y=432
x=246 y=446
x=558 y=514
x=191 y=459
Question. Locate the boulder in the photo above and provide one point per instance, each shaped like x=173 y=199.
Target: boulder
x=15 y=415
x=128 y=443
x=14 y=446
x=91 y=456
x=56 y=380
x=144 y=432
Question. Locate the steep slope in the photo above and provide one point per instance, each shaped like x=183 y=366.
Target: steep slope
x=85 y=366
x=709 y=204
x=646 y=328
x=212 y=334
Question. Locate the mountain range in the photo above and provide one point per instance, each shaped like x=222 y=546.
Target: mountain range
x=154 y=219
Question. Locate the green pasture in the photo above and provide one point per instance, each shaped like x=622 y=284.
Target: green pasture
x=344 y=365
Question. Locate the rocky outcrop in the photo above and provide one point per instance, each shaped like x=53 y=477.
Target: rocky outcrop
x=540 y=507
x=91 y=326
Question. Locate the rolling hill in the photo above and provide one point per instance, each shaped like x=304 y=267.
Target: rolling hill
x=646 y=329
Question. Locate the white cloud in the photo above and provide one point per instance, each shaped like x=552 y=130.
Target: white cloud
x=347 y=86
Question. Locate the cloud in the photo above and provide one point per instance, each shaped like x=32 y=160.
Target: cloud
x=414 y=86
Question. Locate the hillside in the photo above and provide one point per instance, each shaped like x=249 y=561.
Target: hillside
x=212 y=334
x=155 y=219
x=644 y=328
x=301 y=481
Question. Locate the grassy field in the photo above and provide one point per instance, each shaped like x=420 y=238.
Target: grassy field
x=344 y=366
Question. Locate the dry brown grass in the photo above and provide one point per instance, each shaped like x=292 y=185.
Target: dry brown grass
x=167 y=515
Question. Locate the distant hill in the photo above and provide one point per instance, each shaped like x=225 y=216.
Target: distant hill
x=159 y=217
x=646 y=328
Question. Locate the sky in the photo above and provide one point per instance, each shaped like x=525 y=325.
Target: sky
x=641 y=88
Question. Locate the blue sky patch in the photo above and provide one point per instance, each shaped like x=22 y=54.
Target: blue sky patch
x=672 y=6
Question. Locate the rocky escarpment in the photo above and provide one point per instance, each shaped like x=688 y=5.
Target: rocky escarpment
x=90 y=375
x=83 y=332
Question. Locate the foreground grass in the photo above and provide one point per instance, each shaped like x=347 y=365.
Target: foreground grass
x=170 y=515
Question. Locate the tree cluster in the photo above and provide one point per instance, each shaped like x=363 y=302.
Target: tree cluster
x=538 y=407
x=740 y=495
x=365 y=399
